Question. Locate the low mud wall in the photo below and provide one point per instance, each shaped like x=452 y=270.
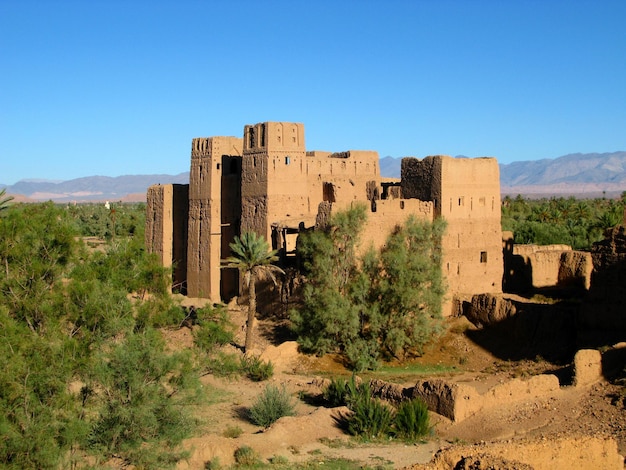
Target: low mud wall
x=458 y=401
x=540 y=454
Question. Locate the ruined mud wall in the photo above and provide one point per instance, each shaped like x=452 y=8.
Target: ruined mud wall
x=166 y=228
x=458 y=401
x=602 y=320
x=581 y=452
x=343 y=177
x=207 y=197
x=514 y=328
x=421 y=179
x=539 y=266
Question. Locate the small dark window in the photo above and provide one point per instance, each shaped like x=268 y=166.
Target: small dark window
x=287 y=160
x=218 y=166
x=483 y=256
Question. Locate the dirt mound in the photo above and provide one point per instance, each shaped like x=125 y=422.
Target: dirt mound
x=542 y=454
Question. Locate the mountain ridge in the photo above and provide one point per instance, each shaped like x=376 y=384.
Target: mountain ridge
x=578 y=174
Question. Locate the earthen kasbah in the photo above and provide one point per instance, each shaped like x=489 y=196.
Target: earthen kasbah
x=267 y=182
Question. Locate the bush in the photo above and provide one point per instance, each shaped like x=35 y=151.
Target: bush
x=256 y=369
x=223 y=365
x=246 y=455
x=215 y=329
x=232 y=432
x=271 y=405
x=340 y=392
x=412 y=420
x=158 y=312
x=369 y=418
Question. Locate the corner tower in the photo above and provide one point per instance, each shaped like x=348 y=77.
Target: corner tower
x=214 y=214
x=273 y=176
x=466 y=193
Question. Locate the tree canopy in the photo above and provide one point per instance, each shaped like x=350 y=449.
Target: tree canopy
x=375 y=306
x=253 y=258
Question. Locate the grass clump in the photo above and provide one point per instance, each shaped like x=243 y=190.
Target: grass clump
x=246 y=456
x=271 y=405
x=412 y=420
x=369 y=418
x=232 y=432
x=256 y=369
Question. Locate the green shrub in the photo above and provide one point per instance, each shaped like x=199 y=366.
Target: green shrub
x=256 y=369
x=271 y=405
x=369 y=418
x=340 y=392
x=213 y=464
x=412 y=421
x=246 y=456
x=159 y=311
x=214 y=329
x=211 y=335
x=335 y=392
x=232 y=432
x=223 y=365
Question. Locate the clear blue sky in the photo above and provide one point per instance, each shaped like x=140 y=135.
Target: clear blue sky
x=112 y=87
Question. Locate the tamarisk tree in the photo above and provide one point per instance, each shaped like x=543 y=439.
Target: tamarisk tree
x=383 y=304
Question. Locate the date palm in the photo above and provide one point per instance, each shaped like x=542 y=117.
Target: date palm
x=4 y=200
x=253 y=258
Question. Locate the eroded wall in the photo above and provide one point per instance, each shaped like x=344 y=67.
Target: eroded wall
x=167 y=210
x=466 y=193
x=390 y=214
x=213 y=193
x=273 y=179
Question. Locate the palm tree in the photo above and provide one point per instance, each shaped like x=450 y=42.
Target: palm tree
x=4 y=200
x=253 y=258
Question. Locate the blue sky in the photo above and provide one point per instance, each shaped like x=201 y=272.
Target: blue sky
x=114 y=87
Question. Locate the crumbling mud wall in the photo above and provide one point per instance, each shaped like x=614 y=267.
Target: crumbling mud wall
x=214 y=203
x=386 y=215
x=342 y=178
x=458 y=401
x=602 y=320
x=166 y=228
x=514 y=328
x=530 y=267
x=583 y=452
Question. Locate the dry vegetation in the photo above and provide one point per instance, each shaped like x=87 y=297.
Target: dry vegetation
x=561 y=418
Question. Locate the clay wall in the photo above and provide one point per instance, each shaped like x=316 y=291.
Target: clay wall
x=550 y=266
x=343 y=177
x=601 y=319
x=388 y=215
x=214 y=169
x=166 y=228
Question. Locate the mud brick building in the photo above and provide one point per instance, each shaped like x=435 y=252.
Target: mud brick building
x=267 y=182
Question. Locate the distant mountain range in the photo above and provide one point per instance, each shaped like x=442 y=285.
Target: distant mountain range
x=92 y=188
x=581 y=175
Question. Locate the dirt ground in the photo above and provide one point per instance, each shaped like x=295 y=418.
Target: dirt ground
x=570 y=415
